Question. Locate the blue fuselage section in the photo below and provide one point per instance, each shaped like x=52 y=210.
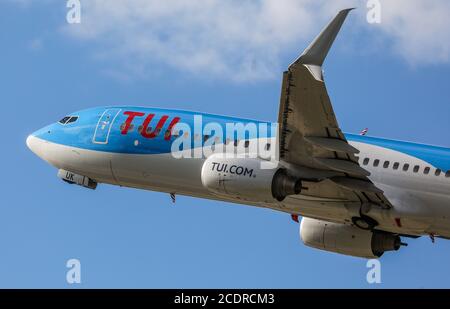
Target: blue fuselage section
x=150 y=131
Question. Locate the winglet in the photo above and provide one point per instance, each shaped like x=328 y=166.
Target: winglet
x=314 y=55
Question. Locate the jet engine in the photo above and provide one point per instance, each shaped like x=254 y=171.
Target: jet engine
x=347 y=239
x=247 y=179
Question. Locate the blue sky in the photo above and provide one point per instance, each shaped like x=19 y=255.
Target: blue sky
x=390 y=79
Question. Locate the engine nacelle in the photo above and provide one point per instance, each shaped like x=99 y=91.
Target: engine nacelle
x=80 y=180
x=346 y=239
x=243 y=178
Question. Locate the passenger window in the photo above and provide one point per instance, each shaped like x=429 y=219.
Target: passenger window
x=426 y=170
x=406 y=167
x=438 y=172
x=267 y=147
x=376 y=162
x=386 y=164
x=396 y=165
x=416 y=169
x=366 y=161
x=247 y=143
x=205 y=137
x=236 y=142
x=140 y=129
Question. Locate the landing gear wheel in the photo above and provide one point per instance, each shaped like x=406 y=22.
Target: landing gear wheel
x=364 y=222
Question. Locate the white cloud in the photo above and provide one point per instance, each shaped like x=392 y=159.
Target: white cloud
x=238 y=40
x=244 y=40
x=420 y=29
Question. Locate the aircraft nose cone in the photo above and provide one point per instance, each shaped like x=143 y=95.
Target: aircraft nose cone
x=36 y=145
x=32 y=143
x=29 y=142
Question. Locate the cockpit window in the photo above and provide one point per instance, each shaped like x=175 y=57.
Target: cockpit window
x=68 y=119
x=64 y=120
x=72 y=119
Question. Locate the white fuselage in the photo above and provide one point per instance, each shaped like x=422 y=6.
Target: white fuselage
x=421 y=201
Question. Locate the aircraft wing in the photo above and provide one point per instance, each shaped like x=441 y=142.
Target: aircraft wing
x=309 y=134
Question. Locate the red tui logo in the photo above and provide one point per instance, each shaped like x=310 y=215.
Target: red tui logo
x=145 y=131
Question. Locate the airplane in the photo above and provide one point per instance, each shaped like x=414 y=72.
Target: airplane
x=356 y=195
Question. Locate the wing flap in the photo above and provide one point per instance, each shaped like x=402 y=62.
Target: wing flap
x=332 y=144
x=344 y=166
x=356 y=184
